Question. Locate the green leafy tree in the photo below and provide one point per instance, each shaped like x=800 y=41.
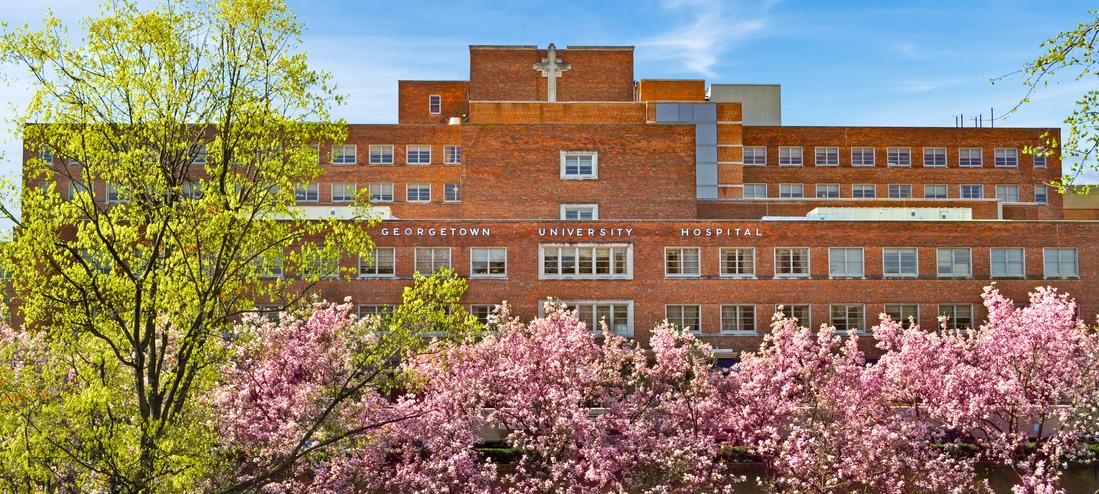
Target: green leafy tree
x=164 y=148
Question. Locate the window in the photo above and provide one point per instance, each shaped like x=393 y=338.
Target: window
x=827 y=156
x=900 y=191
x=1007 y=193
x=432 y=259
x=198 y=159
x=681 y=262
x=482 y=312
x=755 y=155
x=580 y=212
x=485 y=262
x=1040 y=158
x=344 y=154
x=970 y=157
x=954 y=263
x=863 y=191
x=1007 y=157
x=418 y=193
x=381 y=154
x=845 y=263
x=906 y=314
x=321 y=265
x=418 y=155
x=684 y=316
x=934 y=157
x=380 y=192
x=755 y=191
x=792 y=262
x=452 y=155
x=434 y=104
x=452 y=193
x=899 y=263
x=1041 y=194
x=1060 y=263
x=957 y=316
x=579 y=164
x=1007 y=263
x=344 y=192
x=829 y=191
x=586 y=261
x=268 y=267
x=115 y=195
x=935 y=191
x=899 y=156
x=618 y=314
x=972 y=191
x=800 y=312
x=78 y=188
x=862 y=156
x=47 y=154
x=847 y=318
x=738 y=319
x=789 y=156
x=191 y=190
x=738 y=262
x=366 y=310
x=381 y=263
x=307 y=192
x=791 y=190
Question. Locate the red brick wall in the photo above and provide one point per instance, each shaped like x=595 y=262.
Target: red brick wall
x=412 y=101
x=671 y=90
x=754 y=209
x=561 y=112
x=508 y=74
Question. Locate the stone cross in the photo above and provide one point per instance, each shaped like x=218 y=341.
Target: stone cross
x=551 y=68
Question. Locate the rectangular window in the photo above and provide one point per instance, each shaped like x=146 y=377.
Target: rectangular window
x=906 y=314
x=579 y=164
x=482 y=312
x=972 y=191
x=900 y=191
x=434 y=104
x=199 y=157
x=586 y=261
x=381 y=263
x=344 y=192
x=934 y=157
x=617 y=314
x=792 y=262
x=899 y=263
x=452 y=155
x=1041 y=194
x=899 y=156
x=688 y=317
x=432 y=259
x=418 y=192
x=738 y=319
x=791 y=190
x=381 y=192
x=789 y=156
x=862 y=156
x=970 y=157
x=935 y=191
x=1007 y=193
x=47 y=154
x=755 y=155
x=827 y=156
x=76 y=188
x=828 y=191
x=322 y=265
x=115 y=195
x=682 y=262
x=368 y=310
x=738 y=262
x=800 y=312
x=488 y=262
x=191 y=190
x=345 y=154
x=863 y=191
x=418 y=154
x=1040 y=158
x=755 y=191
x=268 y=267
x=954 y=263
x=307 y=193
x=381 y=154
x=1007 y=263
x=581 y=212
x=452 y=193
x=847 y=318
x=845 y=263
x=1060 y=263
x=958 y=316
x=1007 y=158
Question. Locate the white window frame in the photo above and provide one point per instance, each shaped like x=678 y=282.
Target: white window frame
x=721 y=263
x=791 y=157
x=737 y=307
x=1005 y=274
x=900 y=314
x=374 y=198
x=343 y=198
x=594 y=208
x=698 y=264
x=962 y=187
x=791 y=186
x=418 y=149
x=374 y=264
x=312 y=187
x=446 y=192
x=862 y=262
x=1044 y=196
x=953 y=274
x=945 y=187
x=766 y=192
x=965 y=157
x=594 y=175
x=1041 y=158
x=341 y=156
x=901 y=274
x=1006 y=157
x=828 y=156
x=679 y=324
x=408 y=188
x=115 y=194
x=489 y=250
x=862 y=156
x=952 y=321
x=900 y=187
x=808 y=322
x=754 y=157
x=596 y=330
x=1045 y=263
x=808 y=263
x=627 y=275
x=416 y=259
x=452 y=154
x=902 y=154
x=434 y=104
x=934 y=151
x=873 y=187
x=862 y=329
x=381 y=154
x=1008 y=187
x=836 y=187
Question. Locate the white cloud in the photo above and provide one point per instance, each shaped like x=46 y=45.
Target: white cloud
x=709 y=29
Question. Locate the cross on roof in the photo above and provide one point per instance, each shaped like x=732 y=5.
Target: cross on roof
x=551 y=68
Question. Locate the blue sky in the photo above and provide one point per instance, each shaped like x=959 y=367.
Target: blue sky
x=839 y=63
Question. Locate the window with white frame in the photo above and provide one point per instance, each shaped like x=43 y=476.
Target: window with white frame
x=847 y=318
x=434 y=104
x=827 y=156
x=688 y=317
x=755 y=155
x=199 y=157
x=488 y=262
x=580 y=212
x=755 y=191
x=789 y=156
x=380 y=192
x=792 y=262
x=418 y=154
x=954 y=263
x=115 y=194
x=1060 y=263
x=431 y=259
x=801 y=312
x=344 y=192
x=1040 y=155
x=862 y=156
x=1007 y=263
x=46 y=154
x=418 y=192
x=738 y=318
x=935 y=191
x=381 y=154
x=906 y=314
x=268 y=267
x=586 y=261
x=344 y=154
x=791 y=190
x=191 y=190
x=934 y=157
x=828 y=191
x=958 y=316
x=971 y=157
x=380 y=263
x=898 y=156
x=76 y=188
x=900 y=191
x=482 y=312
x=972 y=191
x=1041 y=194
x=307 y=193
x=1007 y=157
x=579 y=164
x=682 y=262
x=899 y=262
x=738 y=262
x=322 y=265
x=618 y=314
x=452 y=155
x=863 y=191
x=845 y=262
x=452 y=193
x=1007 y=193
x=374 y=310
